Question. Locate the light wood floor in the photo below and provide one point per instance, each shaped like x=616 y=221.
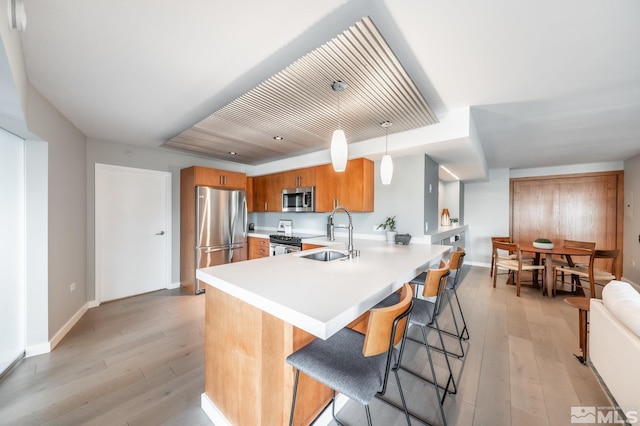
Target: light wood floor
x=138 y=361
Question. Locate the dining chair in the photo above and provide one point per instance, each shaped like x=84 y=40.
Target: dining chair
x=517 y=265
x=526 y=259
x=355 y=364
x=589 y=272
x=578 y=273
x=493 y=247
x=563 y=260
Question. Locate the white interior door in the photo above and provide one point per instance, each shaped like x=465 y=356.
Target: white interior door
x=133 y=236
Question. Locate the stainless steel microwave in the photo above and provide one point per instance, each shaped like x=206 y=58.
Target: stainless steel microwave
x=299 y=199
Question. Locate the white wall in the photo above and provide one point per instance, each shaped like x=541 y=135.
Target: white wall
x=449 y=198
x=37 y=251
x=12 y=226
x=486 y=212
x=631 y=259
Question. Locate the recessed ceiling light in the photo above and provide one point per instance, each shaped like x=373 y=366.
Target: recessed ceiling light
x=232 y=153
x=278 y=138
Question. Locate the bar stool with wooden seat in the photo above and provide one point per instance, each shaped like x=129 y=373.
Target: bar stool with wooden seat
x=453 y=281
x=461 y=332
x=427 y=305
x=426 y=310
x=358 y=365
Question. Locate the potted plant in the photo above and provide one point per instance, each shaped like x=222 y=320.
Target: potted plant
x=389 y=225
x=454 y=220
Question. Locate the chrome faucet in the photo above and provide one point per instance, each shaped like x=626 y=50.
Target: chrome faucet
x=351 y=252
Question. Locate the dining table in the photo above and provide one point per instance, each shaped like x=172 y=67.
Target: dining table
x=557 y=250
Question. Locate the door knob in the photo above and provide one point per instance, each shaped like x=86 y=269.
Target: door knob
x=160 y=233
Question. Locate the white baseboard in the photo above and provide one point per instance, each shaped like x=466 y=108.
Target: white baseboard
x=69 y=325
x=173 y=285
x=212 y=411
x=44 y=348
x=33 y=350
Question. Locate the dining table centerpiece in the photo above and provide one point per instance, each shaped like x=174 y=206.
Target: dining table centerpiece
x=543 y=243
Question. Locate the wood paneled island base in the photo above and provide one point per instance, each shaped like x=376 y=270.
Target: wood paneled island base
x=246 y=375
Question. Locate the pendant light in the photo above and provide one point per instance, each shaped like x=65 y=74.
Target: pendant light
x=386 y=166
x=339 y=150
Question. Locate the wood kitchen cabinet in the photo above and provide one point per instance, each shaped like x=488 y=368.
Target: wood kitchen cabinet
x=258 y=247
x=267 y=193
x=249 y=183
x=299 y=178
x=352 y=188
x=204 y=176
x=307 y=246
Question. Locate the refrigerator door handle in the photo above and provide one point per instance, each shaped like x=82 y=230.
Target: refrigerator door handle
x=211 y=250
x=244 y=217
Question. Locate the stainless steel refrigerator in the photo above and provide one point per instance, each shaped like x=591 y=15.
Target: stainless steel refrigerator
x=221 y=227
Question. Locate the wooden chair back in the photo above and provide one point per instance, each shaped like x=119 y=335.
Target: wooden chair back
x=382 y=325
x=493 y=250
x=456 y=259
x=579 y=244
x=431 y=286
x=503 y=249
x=608 y=262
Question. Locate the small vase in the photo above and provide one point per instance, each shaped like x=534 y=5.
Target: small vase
x=445 y=220
x=391 y=236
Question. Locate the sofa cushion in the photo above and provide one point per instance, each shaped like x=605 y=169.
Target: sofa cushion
x=623 y=301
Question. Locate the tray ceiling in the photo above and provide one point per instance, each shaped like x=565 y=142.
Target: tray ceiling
x=299 y=105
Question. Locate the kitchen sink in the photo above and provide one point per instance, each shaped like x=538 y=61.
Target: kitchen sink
x=325 y=255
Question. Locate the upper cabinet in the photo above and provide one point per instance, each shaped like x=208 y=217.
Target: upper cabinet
x=299 y=178
x=204 y=176
x=352 y=188
x=267 y=193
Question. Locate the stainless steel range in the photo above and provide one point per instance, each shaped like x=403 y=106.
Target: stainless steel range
x=285 y=241
x=284 y=244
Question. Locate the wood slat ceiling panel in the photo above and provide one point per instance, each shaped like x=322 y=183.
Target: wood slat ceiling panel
x=300 y=105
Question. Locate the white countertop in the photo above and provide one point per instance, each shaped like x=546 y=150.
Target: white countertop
x=323 y=297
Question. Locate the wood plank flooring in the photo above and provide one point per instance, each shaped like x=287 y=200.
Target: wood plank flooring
x=139 y=361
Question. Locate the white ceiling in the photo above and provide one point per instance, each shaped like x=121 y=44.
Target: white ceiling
x=547 y=82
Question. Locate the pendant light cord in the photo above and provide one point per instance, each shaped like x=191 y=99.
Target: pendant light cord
x=386 y=140
x=338 y=110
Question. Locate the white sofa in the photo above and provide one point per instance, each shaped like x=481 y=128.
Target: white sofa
x=614 y=342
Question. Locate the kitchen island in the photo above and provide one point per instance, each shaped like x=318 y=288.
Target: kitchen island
x=258 y=312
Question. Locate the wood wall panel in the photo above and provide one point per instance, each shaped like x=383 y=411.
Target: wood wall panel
x=584 y=207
